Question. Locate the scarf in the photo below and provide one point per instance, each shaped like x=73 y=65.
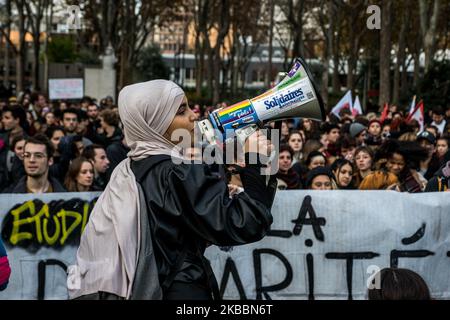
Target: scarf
x=109 y=245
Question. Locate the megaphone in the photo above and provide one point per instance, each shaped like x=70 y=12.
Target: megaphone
x=293 y=97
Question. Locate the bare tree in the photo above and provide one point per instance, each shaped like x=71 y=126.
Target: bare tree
x=355 y=28
x=21 y=51
x=103 y=18
x=127 y=26
x=269 y=71
x=35 y=12
x=48 y=26
x=294 y=11
x=200 y=8
x=8 y=45
x=284 y=40
x=400 y=67
x=222 y=29
x=326 y=21
x=385 y=52
x=429 y=15
x=335 y=41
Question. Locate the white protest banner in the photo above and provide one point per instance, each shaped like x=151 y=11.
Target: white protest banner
x=66 y=88
x=41 y=234
x=323 y=244
x=326 y=245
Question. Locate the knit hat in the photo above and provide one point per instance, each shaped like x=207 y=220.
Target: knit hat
x=374 y=120
x=356 y=128
x=319 y=171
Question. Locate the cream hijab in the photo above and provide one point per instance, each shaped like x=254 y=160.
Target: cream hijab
x=109 y=245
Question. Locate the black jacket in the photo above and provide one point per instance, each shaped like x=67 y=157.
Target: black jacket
x=116 y=152
x=189 y=208
x=438 y=183
x=21 y=186
x=4 y=175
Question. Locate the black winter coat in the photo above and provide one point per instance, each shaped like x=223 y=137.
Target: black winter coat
x=21 y=186
x=189 y=208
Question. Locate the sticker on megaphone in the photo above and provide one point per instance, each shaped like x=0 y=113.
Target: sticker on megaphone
x=295 y=96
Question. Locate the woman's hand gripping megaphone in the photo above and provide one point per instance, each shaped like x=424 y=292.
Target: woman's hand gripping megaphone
x=258 y=143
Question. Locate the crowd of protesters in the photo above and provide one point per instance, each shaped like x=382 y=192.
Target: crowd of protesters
x=58 y=146
x=364 y=152
x=74 y=147
x=367 y=153
x=61 y=146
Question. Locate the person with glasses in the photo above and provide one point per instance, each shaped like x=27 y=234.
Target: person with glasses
x=37 y=158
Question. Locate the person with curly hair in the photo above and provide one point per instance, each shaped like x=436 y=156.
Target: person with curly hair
x=400 y=158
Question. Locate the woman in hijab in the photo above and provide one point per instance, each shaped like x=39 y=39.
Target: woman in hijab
x=188 y=205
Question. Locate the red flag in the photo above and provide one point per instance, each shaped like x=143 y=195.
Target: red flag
x=385 y=112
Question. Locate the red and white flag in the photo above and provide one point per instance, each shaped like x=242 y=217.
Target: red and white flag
x=357 y=109
x=344 y=103
x=412 y=107
x=418 y=115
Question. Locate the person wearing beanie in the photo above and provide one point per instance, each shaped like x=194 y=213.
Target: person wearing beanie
x=440 y=182
x=359 y=132
x=319 y=178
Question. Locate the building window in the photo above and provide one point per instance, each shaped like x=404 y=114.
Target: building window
x=190 y=74
x=258 y=75
x=254 y=75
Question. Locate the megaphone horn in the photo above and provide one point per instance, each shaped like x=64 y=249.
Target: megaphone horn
x=296 y=96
